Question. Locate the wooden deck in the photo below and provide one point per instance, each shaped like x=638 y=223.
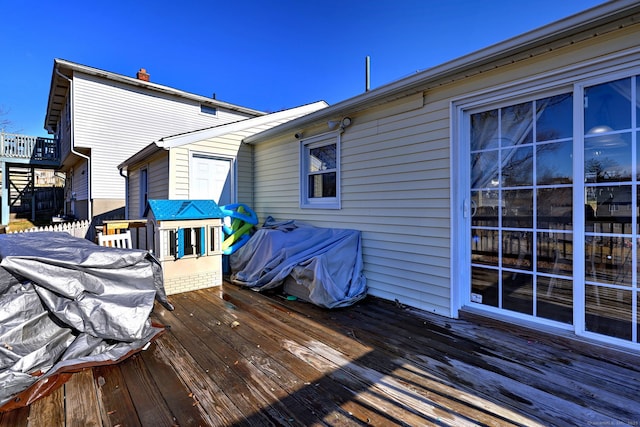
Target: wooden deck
x=233 y=357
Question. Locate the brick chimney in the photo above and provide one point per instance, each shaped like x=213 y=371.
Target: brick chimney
x=143 y=75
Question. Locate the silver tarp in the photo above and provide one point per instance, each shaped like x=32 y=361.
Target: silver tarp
x=66 y=303
x=320 y=265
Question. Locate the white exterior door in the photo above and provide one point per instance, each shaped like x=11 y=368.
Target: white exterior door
x=212 y=178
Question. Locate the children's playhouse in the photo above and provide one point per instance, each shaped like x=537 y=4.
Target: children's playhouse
x=187 y=240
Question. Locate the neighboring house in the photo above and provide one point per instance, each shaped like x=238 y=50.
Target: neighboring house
x=209 y=163
x=469 y=180
x=102 y=118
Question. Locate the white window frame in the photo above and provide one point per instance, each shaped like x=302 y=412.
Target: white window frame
x=307 y=144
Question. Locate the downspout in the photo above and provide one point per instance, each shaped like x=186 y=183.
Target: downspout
x=126 y=194
x=72 y=144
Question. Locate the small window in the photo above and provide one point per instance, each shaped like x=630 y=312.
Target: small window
x=191 y=241
x=208 y=110
x=320 y=172
x=169 y=249
x=215 y=240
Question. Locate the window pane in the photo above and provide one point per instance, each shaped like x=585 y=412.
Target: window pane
x=322 y=158
x=484 y=286
x=484 y=130
x=608 y=209
x=517 y=292
x=322 y=185
x=555 y=117
x=517 y=125
x=485 y=247
x=608 y=311
x=484 y=169
x=607 y=157
x=555 y=208
x=517 y=208
x=555 y=299
x=608 y=260
x=555 y=253
x=607 y=106
x=554 y=163
x=517 y=250
x=517 y=166
x=485 y=208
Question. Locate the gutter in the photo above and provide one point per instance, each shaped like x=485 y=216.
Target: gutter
x=72 y=146
x=596 y=21
x=126 y=194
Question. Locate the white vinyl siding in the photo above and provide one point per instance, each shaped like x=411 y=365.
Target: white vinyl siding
x=395 y=189
x=79 y=186
x=397 y=176
x=157 y=182
x=115 y=121
x=225 y=146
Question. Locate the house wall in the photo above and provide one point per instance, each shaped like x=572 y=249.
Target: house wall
x=116 y=120
x=397 y=178
x=157 y=182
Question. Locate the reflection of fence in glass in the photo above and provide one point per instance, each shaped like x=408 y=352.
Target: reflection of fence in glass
x=554 y=248
x=609 y=260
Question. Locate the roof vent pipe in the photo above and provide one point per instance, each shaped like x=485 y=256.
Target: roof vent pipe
x=367 y=73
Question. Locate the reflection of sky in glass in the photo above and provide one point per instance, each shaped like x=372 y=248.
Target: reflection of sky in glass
x=607 y=158
x=554 y=163
x=517 y=166
x=609 y=105
x=556 y=119
x=484 y=171
x=484 y=130
x=516 y=125
x=322 y=158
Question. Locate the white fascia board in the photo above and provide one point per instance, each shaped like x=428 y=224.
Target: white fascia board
x=146 y=152
x=241 y=125
x=524 y=44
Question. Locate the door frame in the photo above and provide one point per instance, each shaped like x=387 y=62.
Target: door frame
x=573 y=78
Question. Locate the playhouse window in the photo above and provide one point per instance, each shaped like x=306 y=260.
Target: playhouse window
x=191 y=241
x=215 y=240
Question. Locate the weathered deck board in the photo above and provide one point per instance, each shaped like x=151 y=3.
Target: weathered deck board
x=116 y=407
x=49 y=411
x=233 y=357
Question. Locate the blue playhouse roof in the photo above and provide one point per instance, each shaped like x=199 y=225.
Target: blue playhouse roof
x=164 y=210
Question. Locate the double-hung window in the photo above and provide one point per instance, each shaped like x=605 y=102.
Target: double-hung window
x=320 y=172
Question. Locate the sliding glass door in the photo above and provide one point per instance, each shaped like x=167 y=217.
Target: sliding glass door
x=553 y=227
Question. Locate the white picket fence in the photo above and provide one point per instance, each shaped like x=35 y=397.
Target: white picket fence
x=75 y=228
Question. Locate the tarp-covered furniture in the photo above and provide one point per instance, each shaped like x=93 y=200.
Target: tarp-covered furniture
x=67 y=303
x=320 y=265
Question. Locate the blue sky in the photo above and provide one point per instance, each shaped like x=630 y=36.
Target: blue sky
x=268 y=55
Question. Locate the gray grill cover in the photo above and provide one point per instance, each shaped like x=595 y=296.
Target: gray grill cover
x=326 y=262
x=66 y=303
